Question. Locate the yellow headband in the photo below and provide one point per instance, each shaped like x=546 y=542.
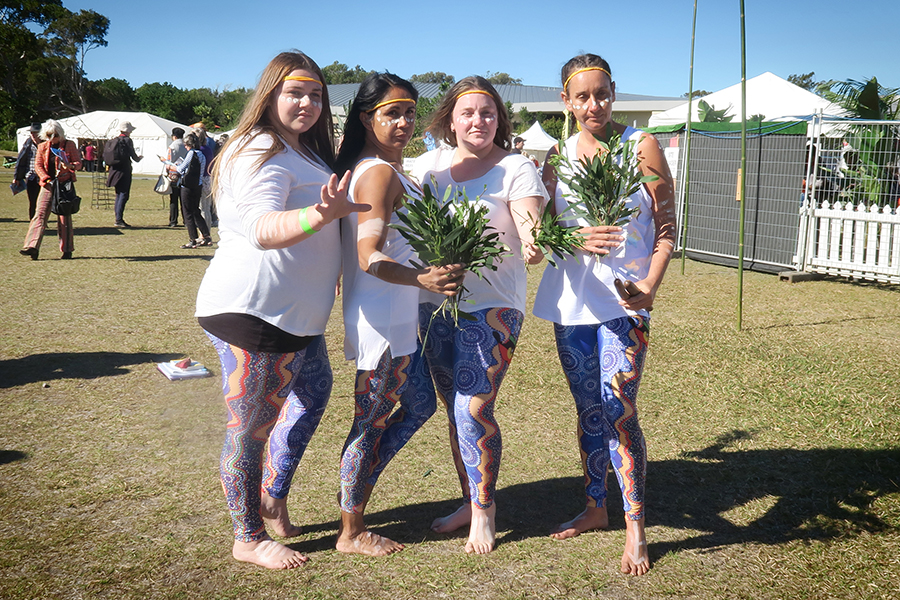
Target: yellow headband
x=301 y=78
x=566 y=84
x=386 y=102
x=475 y=92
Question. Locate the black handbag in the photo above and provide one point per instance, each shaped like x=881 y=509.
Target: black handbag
x=64 y=200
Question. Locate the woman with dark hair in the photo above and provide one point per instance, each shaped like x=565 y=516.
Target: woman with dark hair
x=602 y=337
x=468 y=361
x=381 y=299
x=190 y=183
x=268 y=292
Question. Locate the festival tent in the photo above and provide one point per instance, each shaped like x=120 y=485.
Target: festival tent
x=767 y=94
x=537 y=139
x=152 y=135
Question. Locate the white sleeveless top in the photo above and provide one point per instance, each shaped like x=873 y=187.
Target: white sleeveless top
x=580 y=290
x=377 y=315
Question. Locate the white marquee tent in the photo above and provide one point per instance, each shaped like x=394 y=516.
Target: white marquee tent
x=536 y=139
x=152 y=135
x=767 y=94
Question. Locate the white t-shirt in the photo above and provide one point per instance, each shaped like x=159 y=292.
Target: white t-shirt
x=511 y=179
x=580 y=290
x=377 y=315
x=291 y=288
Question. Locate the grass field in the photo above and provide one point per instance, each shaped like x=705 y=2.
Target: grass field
x=774 y=451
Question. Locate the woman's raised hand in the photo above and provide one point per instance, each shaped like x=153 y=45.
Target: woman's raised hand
x=334 y=203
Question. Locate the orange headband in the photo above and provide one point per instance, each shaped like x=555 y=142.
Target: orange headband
x=301 y=78
x=386 y=102
x=566 y=84
x=475 y=92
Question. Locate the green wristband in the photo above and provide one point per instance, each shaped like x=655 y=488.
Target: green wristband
x=304 y=222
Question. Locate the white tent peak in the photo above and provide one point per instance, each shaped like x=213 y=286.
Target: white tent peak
x=768 y=94
x=151 y=134
x=537 y=139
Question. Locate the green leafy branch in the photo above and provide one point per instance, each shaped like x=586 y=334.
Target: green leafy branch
x=451 y=230
x=604 y=182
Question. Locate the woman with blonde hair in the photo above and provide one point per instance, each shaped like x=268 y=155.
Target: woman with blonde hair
x=268 y=292
x=601 y=333
x=57 y=159
x=468 y=360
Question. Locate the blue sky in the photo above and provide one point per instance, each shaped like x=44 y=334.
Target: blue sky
x=647 y=43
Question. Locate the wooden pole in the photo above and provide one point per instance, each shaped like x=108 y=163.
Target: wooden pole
x=687 y=147
x=742 y=183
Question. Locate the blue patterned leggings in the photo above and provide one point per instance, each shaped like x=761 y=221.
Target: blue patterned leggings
x=603 y=365
x=377 y=433
x=468 y=363
x=274 y=398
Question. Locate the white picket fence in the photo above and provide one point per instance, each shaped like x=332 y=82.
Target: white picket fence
x=861 y=242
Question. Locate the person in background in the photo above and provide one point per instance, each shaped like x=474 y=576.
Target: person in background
x=469 y=360
x=267 y=296
x=176 y=154
x=190 y=177
x=90 y=152
x=24 y=172
x=120 y=170
x=208 y=148
x=602 y=334
x=519 y=146
x=49 y=167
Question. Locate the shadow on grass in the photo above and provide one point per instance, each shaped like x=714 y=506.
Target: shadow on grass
x=719 y=497
x=97 y=230
x=10 y=456
x=72 y=365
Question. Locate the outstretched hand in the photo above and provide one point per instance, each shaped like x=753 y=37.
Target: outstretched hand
x=334 y=203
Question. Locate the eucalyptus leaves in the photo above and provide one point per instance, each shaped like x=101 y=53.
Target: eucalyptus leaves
x=602 y=183
x=450 y=230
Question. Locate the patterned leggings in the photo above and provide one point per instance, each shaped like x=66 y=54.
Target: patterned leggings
x=279 y=398
x=377 y=434
x=603 y=365
x=468 y=363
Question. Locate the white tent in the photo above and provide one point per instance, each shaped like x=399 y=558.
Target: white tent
x=152 y=135
x=536 y=139
x=767 y=94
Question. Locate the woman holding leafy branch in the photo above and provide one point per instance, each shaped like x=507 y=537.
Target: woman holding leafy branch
x=268 y=292
x=469 y=357
x=381 y=301
x=599 y=299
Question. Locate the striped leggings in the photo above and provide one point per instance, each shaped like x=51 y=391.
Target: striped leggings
x=274 y=398
x=378 y=433
x=38 y=224
x=603 y=365
x=468 y=363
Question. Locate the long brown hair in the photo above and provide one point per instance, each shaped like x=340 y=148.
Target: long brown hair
x=257 y=119
x=443 y=114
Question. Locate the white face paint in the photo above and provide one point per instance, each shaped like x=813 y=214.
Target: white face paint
x=296 y=100
x=592 y=103
x=373 y=228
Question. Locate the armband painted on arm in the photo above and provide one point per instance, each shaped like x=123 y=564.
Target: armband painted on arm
x=372 y=228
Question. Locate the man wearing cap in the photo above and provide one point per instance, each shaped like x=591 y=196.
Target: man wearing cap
x=24 y=172
x=120 y=170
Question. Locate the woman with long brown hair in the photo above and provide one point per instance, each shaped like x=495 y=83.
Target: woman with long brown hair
x=468 y=360
x=268 y=292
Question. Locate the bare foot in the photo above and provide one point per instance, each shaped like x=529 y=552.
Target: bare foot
x=267 y=553
x=483 y=530
x=275 y=513
x=368 y=543
x=354 y=538
x=590 y=518
x=452 y=522
x=635 y=559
